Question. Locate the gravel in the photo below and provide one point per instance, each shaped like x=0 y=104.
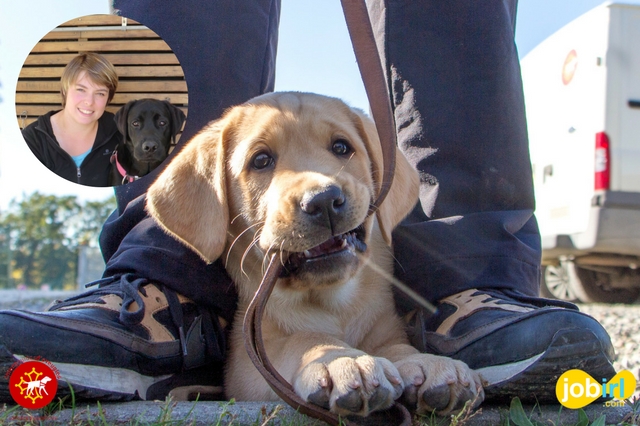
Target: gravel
x=623 y=324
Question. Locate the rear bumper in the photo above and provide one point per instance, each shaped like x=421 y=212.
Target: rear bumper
x=613 y=228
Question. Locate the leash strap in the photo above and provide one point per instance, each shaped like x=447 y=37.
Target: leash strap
x=369 y=63
x=375 y=84
x=254 y=344
x=252 y=329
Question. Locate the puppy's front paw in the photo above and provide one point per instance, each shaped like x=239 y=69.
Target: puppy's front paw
x=439 y=383
x=347 y=385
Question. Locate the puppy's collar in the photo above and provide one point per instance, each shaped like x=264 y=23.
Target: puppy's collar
x=126 y=178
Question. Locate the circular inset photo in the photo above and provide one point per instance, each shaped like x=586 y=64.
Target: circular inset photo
x=101 y=100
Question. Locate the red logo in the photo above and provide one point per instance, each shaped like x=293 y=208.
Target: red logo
x=33 y=384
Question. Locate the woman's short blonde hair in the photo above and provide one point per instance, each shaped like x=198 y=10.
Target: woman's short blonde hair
x=99 y=70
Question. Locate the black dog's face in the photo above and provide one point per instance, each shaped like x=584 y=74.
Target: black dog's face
x=149 y=131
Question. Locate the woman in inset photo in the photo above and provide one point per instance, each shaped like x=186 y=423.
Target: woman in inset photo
x=76 y=142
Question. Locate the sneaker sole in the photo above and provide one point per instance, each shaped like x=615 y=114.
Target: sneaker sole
x=69 y=374
x=113 y=384
x=534 y=380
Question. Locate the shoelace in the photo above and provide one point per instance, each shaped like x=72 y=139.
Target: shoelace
x=129 y=290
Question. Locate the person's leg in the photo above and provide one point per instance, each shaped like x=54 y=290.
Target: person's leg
x=472 y=246
x=157 y=319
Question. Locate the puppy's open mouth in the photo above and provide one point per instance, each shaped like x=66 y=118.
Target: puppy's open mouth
x=344 y=244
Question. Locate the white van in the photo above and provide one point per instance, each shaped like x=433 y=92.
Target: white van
x=582 y=94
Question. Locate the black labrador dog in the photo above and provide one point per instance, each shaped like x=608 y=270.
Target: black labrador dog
x=149 y=127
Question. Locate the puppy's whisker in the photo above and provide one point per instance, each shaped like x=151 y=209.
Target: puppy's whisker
x=345 y=165
x=254 y=243
x=236 y=239
x=281 y=253
x=265 y=259
x=234 y=219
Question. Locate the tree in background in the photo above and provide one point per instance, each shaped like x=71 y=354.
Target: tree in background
x=40 y=236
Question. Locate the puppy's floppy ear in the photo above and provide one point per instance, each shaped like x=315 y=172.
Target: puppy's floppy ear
x=177 y=118
x=403 y=194
x=189 y=199
x=121 y=119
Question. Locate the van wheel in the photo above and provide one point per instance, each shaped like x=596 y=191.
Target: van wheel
x=591 y=287
x=554 y=283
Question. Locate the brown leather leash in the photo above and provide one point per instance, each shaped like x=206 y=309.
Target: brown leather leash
x=375 y=84
x=254 y=344
x=368 y=59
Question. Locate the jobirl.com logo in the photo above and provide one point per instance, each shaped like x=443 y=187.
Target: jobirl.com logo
x=576 y=389
x=33 y=384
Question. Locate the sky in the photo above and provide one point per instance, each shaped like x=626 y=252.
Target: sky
x=314 y=54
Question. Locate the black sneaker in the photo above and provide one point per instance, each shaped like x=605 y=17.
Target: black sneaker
x=519 y=344
x=129 y=339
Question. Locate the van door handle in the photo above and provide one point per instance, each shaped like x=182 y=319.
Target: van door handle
x=634 y=103
x=547 y=172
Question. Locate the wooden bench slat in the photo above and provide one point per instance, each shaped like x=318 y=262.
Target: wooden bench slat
x=24 y=123
x=118 y=98
x=63 y=59
x=123 y=86
x=117 y=32
x=97 y=20
x=132 y=71
x=160 y=71
x=102 y=46
x=35 y=110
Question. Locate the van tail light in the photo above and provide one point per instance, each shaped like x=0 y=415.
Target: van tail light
x=602 y=162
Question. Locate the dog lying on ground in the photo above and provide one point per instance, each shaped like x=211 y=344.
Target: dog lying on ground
x=149 y=128
x=294 y=174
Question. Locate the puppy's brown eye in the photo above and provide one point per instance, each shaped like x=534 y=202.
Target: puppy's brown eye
x=341 y=147
x=261 y=160
x=162 y=123
x=135 y=123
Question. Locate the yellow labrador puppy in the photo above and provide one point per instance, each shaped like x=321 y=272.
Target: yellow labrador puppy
x=294 y=174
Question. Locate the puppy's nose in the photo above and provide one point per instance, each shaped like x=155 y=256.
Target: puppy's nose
x=149 y=146
x=324 y=204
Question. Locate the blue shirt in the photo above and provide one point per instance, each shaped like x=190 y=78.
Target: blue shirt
x=79 y=158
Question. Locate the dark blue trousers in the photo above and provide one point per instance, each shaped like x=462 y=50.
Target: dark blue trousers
x=454 y=74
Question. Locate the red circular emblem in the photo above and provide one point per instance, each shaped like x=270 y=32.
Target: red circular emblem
x=33 y=384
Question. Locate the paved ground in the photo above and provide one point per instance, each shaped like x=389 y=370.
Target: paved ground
x=218 y=413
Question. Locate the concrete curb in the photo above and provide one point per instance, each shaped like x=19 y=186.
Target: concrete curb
x=258 y=413
x=143 y=413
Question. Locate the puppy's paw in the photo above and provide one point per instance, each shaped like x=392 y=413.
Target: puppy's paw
x=438 y=383
x=347 y=385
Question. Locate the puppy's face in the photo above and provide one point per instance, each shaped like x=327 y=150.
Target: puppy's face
x=149 y=131
x=300 y=183
x=288 y=173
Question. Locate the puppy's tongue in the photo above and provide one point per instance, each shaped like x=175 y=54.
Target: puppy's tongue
x=332 y=245
x=348 y=241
